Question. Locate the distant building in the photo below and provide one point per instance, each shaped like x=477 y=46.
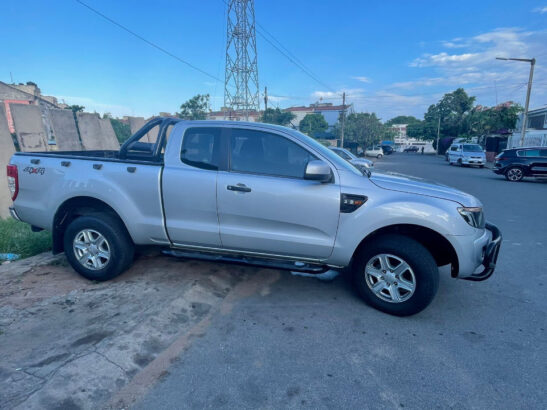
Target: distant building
x=28 y=94
x=226 y=114
x=330 y=112
x=536 y=130
x=400 y=132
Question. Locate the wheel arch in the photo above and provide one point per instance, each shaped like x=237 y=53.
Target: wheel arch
x=441 y=249
x=74 y=207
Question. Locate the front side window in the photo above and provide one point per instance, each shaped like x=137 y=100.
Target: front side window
x=264 y=153
x=454 y=148
x=201 y=148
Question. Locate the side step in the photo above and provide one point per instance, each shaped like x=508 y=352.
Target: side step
x=245 y=260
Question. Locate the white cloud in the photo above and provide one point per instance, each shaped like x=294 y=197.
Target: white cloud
x=540 y=10
x=277 y=98
x=334 y=95
x=92 y=105
x=362 y=79
x=441 y=59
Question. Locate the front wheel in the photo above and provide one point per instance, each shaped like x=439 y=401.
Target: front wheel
x=396 y=274
x=98 y=247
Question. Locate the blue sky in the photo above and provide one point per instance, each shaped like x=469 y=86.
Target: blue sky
x=390 y=57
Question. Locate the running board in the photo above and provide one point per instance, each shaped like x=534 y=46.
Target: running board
x=295 y=266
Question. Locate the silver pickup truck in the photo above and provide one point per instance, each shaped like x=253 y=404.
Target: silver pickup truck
x=257 y=194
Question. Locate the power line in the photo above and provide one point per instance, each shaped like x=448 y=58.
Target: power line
x=287 y=54
x=147 y=41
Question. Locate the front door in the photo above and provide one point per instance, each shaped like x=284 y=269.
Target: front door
x=266 y=206
x=537 y=161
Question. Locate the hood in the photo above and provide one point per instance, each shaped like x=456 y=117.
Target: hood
x=419 y=186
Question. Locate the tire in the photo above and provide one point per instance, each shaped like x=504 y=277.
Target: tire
x=379 y=156
x=108 y=258
x=514 y=174
x=460 y=163
x=423 y=272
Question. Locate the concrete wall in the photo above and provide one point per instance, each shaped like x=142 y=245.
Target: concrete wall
x=6 y=151
x=64 y=130
x=135 y=123
x=29 y=127
x=96 y=133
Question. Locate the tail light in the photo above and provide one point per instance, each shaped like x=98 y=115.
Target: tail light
x=13 y=181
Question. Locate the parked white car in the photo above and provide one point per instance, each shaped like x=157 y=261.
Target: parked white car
x=376 y=152
x=466 y=154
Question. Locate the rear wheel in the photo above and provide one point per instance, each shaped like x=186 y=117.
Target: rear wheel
x=98 y=247
x=396 y=275
x=514 y=174
x=379 y=156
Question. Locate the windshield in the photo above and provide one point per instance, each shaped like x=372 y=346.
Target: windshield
x=472 y=148
x=344 y=153
x=330 y=154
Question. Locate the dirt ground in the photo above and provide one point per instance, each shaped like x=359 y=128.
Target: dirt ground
x=67 y=342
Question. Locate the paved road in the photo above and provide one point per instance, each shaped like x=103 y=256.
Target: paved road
x=303 y=343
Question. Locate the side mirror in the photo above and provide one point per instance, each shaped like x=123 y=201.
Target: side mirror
x=318 y=170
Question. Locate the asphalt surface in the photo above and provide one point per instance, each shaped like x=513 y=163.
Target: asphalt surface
x=303 y=343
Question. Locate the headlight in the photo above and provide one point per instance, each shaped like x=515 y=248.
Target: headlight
x=473 y=216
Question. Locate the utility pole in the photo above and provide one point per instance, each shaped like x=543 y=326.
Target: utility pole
x=343 y=119
x=438 y=133
x=265 y=98
x=532 y=62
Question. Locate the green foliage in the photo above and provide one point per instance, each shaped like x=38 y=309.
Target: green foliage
x=402 y=119
x=121 y=129
x=458 y=118
x=195 y=108
x=75 y=108
x=366 y=129
x=16 y=237
x=313 y=123
x=276 y=116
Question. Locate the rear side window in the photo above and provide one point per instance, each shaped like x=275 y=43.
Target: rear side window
x=264 y=153
x=531 y=153
x=201 y=148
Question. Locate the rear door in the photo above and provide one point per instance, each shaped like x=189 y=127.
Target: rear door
x=189 y=188
x=266 y=206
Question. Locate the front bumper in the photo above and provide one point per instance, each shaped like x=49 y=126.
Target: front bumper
x=473 y=161
x=491 y=252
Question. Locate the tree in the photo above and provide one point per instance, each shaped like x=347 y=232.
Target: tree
x=75 y=108
x=195 y=108
x=277 y=116
x=402 y=119
x=121 y=129
x=363 y=128
x=313 y=123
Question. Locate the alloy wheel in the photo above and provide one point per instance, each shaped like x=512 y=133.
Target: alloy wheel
x=390 y=278
x=514 y=174
x=91 y=249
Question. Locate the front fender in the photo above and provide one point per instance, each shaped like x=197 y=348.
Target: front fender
x=393 y=209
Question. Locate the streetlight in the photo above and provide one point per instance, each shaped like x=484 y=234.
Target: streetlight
x=532 y=62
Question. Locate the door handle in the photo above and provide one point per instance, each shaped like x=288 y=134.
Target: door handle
x=238 y=188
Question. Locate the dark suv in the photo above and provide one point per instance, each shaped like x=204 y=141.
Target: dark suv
x=518 y=163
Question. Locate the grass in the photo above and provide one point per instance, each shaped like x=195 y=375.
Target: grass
x=17 y=237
